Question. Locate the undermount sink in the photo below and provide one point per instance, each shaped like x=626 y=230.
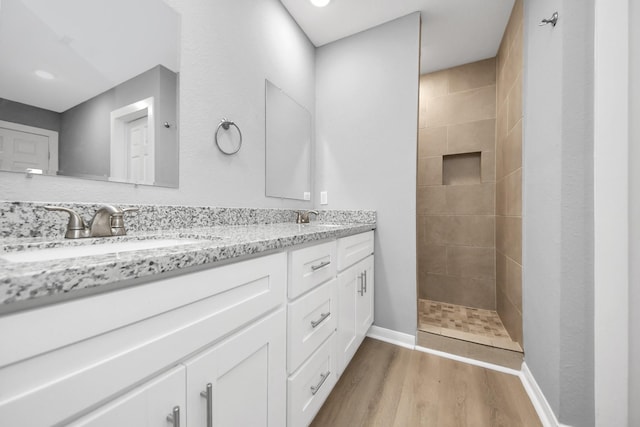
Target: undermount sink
x=63 y=252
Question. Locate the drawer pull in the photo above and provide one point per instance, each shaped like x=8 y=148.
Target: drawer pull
x=323 y=316
x=319 y=266
x=174 y=416
x=323 y=378
x=207 y=395
x=365 y=280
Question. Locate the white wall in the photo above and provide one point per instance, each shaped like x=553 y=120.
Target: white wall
x=558 y=236
x=228 y=48
x=366 y=136
x=634 y=217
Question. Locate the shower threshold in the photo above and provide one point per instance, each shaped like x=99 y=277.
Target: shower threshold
x=465 y=323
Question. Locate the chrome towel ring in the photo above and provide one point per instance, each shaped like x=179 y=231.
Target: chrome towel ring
x=225 y=125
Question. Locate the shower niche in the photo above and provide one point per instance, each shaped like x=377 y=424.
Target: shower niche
x=461 y=169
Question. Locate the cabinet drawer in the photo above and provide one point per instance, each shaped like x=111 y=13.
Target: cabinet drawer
x=352 y=249
x=312 y=318
x=309 y=387
x=308 y=267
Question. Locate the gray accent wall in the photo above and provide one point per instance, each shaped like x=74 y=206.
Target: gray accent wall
x=86 y=128
x=366 y=135
x=28 y=115
x=558 y=237
x=634 y=216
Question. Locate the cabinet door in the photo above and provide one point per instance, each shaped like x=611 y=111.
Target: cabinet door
x=146 y=406
x=364 y=297
x=247 y=373
x=349 y=283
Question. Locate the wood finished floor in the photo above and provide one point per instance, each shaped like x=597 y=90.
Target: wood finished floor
x=387 y=385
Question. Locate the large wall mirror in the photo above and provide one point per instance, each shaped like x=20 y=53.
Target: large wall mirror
x=89 y=89
x=288 y=146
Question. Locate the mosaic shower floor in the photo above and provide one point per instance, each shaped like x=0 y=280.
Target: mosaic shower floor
x=465 y=323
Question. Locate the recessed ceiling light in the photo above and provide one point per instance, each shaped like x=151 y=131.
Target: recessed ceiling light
x=320 y=3
x=44 y=74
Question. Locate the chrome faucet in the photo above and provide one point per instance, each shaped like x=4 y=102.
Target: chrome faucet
x=107 y=221
x=303 y=216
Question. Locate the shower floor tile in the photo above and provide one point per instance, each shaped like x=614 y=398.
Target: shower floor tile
x=465 y=323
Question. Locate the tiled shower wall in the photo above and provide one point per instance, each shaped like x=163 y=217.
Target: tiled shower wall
x=456 y=222
x=509 y=176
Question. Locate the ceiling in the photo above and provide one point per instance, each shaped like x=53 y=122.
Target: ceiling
x=454 y=32
x=89 y=46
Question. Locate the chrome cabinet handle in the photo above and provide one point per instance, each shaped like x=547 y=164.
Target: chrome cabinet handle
x=208 y=395
x=323 y=317
x=174 y=416
x=361 y=278
x=323 y=378
x=365 y=280
x=319 y=266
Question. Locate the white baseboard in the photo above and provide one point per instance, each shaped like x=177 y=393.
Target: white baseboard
x=540 y=403
x=392 y=337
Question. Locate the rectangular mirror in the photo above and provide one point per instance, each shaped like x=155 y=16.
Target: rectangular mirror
x=89 y=89
x=288 y=146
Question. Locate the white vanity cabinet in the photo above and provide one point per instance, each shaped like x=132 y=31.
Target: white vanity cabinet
x=312 y=321
x=237 y=382
x=259 y=342
x=355 y=294
x=105 y=357
x=154 y=403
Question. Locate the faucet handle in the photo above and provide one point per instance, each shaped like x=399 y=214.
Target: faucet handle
x=76 y=225
x=117 y=221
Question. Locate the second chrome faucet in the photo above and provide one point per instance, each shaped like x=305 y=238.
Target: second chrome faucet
x=107 y=221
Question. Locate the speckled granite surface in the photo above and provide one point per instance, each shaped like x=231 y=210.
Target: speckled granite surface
x=30 y=219
x=27 y=281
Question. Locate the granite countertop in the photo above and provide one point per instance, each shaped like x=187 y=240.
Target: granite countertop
x=33 y=282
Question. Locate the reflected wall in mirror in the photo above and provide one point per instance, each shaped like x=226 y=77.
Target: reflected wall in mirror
x=89 y=89
x=288 y=146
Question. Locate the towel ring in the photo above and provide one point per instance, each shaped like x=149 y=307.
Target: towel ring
x=226 y=124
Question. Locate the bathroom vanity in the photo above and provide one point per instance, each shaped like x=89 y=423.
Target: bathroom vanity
x=236 y=330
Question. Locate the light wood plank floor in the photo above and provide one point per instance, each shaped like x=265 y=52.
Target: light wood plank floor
x=387 y=385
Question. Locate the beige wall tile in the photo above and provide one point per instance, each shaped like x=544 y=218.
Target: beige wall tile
x=420 y=225
x=470 y=199
x=513 y=193
x=512 y=150
x=433 y=85
x=432 y=258
x=472 y=136
x=466 y=261
x=461 y=169
x=509 y=237
x=462 y=107
x=488 y=166
x=501 y=272
x=502 y=129
x=479 y=293
x=500 y=159
x=514 y=283
x=511 y=317
x=501 y=197
x=437 y=230
x=514 y=103
x=432 y=141
x=431 y=200
x=471 y=230
x=430 y=171
x=473 y=75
